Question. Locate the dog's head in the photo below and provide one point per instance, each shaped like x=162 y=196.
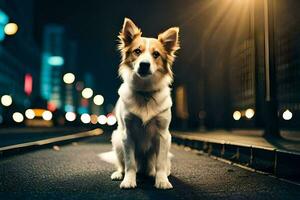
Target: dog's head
x=146 y=62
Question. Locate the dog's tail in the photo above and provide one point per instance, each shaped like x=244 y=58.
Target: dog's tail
x=109 y=157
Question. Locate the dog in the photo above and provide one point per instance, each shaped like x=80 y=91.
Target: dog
x=142 y=139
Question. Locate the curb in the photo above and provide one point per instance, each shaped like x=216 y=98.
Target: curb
x=281 y=163
x=46 y=143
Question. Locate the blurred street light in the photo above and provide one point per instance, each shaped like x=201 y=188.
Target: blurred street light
x=18 y=117
x=249 y=113
x=56 y=60
x=287 y=115
x=70 y=116
x=87 y=93
x=6 y=100
x=85 y=118
x=102 y=119
x=11 y=28
x=69 y=78
x=47 y=115
x=237 y=115
x=111 y=120
x=29 y=113
x=94 y=119
x=98 y=100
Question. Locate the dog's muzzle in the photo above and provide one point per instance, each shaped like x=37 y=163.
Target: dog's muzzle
x=144 y=69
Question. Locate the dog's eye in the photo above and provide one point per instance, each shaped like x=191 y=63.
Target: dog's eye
x=137 y=51
x=155 y=54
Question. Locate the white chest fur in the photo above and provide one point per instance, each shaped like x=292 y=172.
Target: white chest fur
x=145 y=108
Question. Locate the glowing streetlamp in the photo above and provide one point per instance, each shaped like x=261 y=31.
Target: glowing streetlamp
x=287 y=115
x=249 y=113
x=237 y=115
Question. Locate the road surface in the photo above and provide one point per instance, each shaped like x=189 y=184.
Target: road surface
x=76 y=172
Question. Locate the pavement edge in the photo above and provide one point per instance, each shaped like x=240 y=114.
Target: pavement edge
x=46 y=143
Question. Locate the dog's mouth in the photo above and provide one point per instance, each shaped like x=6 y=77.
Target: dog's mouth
x=143 y=75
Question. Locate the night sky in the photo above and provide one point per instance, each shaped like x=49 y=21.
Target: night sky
x=95 y=25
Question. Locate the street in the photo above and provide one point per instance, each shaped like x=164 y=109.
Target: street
x=76 y=172
x=22 y=135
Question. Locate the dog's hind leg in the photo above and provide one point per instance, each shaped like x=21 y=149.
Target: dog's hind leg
x=118 y=149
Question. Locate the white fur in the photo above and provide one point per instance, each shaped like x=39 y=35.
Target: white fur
x=143 y=133
x=142 y=140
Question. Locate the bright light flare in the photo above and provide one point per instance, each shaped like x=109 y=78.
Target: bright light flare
x=11 y=28
x=47 y=115
x=69 y=78
x=102 y=119
x=85 y=118
x=111 y=120
x=18 y=117
x=287 y=115
x=237 y=115
x=6 y=100
x=70 y=116
x=98 y=100
x=249 y=113
x=87 y=93
x=29 y=113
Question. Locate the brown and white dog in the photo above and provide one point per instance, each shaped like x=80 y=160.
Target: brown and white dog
x=142 y=140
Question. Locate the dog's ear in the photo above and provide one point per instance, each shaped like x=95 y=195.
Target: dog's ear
x=170 y=40
x=129 y=32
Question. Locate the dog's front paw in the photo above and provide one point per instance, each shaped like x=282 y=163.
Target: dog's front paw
x=128 y=183
x=116 y=176
x=163 y=185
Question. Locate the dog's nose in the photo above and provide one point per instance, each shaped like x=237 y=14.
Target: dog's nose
x=144 y=69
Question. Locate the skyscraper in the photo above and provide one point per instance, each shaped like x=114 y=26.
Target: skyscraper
x=52 y=65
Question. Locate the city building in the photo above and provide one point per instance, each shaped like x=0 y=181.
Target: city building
x=287 y=36
x=19 y=55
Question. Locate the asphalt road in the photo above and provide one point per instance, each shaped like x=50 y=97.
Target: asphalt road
x=12 y=136
x=76 y=172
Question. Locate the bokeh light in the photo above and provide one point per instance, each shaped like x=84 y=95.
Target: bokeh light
x=102 y=119
x=85 y=118
x=98 y=100
x=6 y=100
x=94 y=119
x=237 y=115
x=87 y=93
x=29 y=113
x=287 y=115
x=69 y=78
x=47 y=115
x=11 y=28
x=249 y=113
x=111 y=120
x=18 y=117
x=70 y=116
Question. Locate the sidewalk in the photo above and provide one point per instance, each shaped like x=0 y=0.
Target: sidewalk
x=248 y=148
x=290 y=141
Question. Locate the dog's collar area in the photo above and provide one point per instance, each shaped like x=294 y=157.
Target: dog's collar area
x=147 y=95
